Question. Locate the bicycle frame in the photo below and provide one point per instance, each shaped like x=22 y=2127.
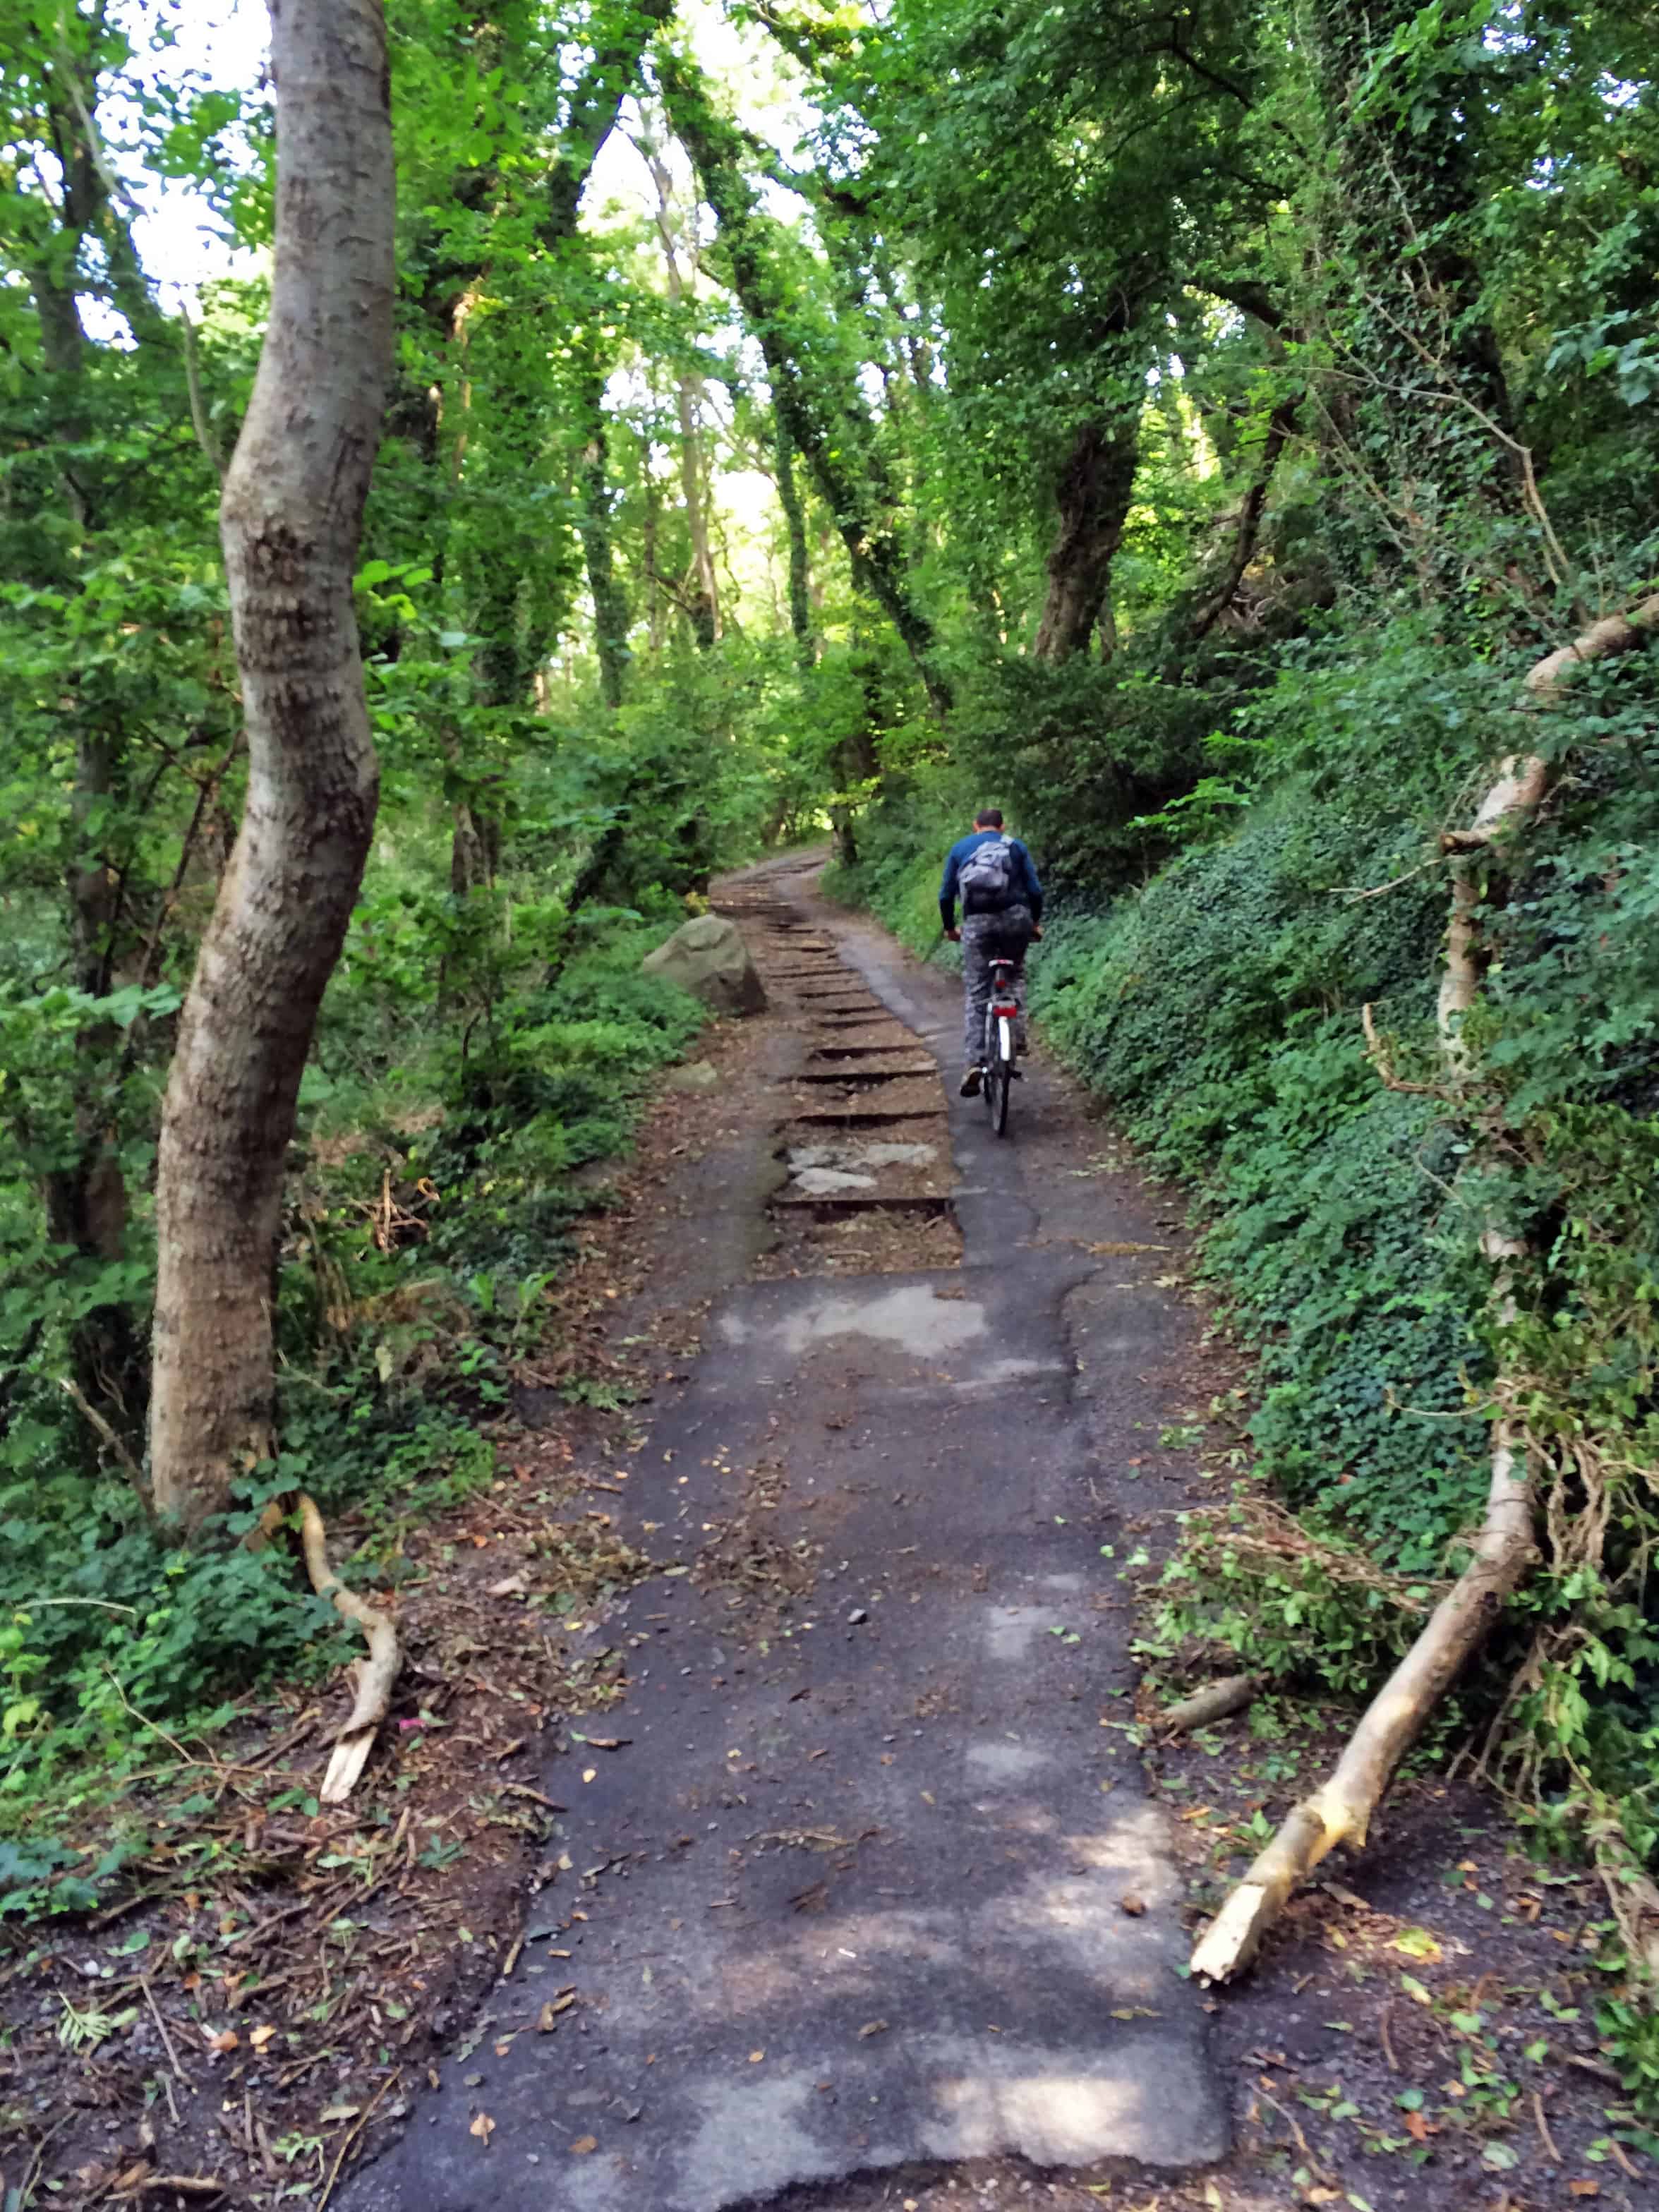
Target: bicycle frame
x=1003 y=1012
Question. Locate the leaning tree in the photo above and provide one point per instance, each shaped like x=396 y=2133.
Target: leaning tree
x=290 y=519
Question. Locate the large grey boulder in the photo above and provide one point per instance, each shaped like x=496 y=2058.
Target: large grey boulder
x=708 y=958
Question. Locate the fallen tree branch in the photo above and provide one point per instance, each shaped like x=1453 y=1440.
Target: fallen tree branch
x=107 y=1433
x=1340 y=1812
x=1214 y=1703
x=375 y=1675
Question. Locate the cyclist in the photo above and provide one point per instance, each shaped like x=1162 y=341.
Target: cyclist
x=1001 y=913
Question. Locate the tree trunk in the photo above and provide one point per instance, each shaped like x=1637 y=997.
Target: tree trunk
x=291 y=516
x=611 y=613
x=1214 y=603
x=703 y=594
x=1094 y=492
x=85 y=1197
x=800 y=573
x=656 y=599
x=1339 y=1812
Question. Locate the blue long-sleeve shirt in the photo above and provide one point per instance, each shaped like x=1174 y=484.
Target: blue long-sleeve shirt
x=1026 y=888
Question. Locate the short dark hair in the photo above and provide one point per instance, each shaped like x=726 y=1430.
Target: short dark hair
x=988 y=818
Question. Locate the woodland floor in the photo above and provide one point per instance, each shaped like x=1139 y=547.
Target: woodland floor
x=435 y=1996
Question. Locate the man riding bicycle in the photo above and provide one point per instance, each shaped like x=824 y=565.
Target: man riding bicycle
x=1001 y=911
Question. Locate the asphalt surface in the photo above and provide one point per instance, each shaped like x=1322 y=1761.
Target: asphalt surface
x=869 y=1876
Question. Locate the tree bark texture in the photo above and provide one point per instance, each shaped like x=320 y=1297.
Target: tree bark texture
x=290 y=519
x=1093 y=492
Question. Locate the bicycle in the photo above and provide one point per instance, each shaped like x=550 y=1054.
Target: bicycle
x=999 y=1074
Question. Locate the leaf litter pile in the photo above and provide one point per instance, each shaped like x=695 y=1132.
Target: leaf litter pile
x=265 y=1983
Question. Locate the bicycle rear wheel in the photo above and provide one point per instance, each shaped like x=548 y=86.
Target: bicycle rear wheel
x=1000 y=1073
x=998 y=1087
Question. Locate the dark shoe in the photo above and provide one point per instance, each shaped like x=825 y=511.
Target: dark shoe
x=969 y=1087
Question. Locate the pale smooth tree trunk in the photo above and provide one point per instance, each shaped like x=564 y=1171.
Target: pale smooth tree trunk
x=290 y=519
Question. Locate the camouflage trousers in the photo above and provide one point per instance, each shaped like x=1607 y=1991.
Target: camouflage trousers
x=986 y=937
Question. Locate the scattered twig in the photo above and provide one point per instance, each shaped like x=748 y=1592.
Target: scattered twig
x=363 y=2119
x=1387 y=2040
x=103 y=1604
x=1620 y=2159
x=167 y=2040
x=1229 y=1695
x=1378 y=1054
x=1544 y=2135
x=1290 y=2122
x=272 y=1920
x=154 y=1727
x=523 y=1790
x=1598 y=2067
x=38 y=2163
x=296 y=1735
x=1355 y=895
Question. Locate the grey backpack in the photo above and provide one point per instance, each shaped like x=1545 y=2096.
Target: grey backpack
x=987 y=876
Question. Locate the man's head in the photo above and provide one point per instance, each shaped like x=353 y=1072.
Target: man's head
x=988 y=818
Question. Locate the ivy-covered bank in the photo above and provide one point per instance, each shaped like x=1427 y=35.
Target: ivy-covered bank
x=1217 y=1006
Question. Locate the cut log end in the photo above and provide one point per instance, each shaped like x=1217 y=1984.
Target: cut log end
x=1232 y=1938
x=346 y=1765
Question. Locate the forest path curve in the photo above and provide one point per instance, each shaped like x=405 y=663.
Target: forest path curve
x=871 y=1879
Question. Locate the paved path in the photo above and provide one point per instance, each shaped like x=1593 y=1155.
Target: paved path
x=874 y=1885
